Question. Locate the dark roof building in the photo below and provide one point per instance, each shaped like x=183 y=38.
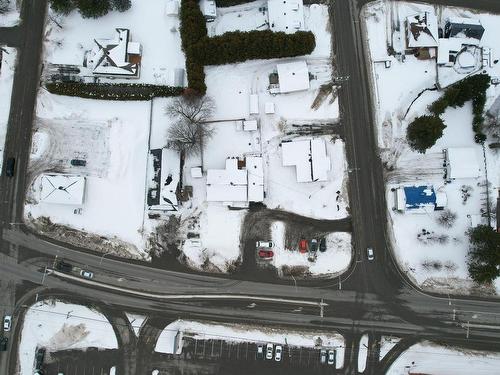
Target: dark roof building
x=458 y=27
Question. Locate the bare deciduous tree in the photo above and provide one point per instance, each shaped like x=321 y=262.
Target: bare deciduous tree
x=447 y=218
x=4 y=6
x=190 y=130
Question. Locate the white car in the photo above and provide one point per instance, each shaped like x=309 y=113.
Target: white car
x=86 y=274
x=7 y=321
x=369 y=254
x=277 y=353
x=269 y=351
x=331 y=357
x=264 y=244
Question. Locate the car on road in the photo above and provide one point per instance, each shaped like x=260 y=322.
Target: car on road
x=313 y=245
x=322 y=244
x=7 y=321
x=78 y=162
x=322 y=356
x=303 y=246
x=10 y=167
x=264 y=244
x=265 y=254
x=369 y=253
x=277 y=353
x=86 y=274
x=331 y=357
x=269 y=351
x=3 y=344
x=260 y=352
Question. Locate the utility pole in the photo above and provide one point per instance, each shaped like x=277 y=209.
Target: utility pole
x=340 y=283
x=321 y=308
x=468 y=326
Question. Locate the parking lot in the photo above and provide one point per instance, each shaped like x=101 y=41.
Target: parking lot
x=80 y=362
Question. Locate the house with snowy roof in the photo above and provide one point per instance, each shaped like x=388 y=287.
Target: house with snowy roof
x=460 y=27
x=289 y=77
x=116 y=57
x=62 y=189
x=309 y=158
x=461 y=162
x=286 y=15
x=422 y=30
x=418 y=199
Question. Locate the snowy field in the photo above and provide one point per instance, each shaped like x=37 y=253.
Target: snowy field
x=59 y=326
x=148 y=24
x=433 y=264
x=7 y=68
x=117 y=154
x=363 y=353
x=11 y=16
x=136 y=321
x=242 y=333
x=334 y=260
x=429 y=358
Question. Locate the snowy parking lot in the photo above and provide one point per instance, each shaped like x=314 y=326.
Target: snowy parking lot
x=7 y=67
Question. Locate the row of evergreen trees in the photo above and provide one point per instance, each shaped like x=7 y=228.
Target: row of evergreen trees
x=90 y=8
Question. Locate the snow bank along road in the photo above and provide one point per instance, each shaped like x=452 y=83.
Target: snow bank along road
x=376 y=296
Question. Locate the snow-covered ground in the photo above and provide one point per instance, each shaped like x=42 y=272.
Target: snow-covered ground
x=242 y=333
x=7 y=67
x=429 y=358
x=11 y=16
x=59 y=326
x=136 y=321
x=149 y=25
x=363 y=353
x=113 y=137
x=431 y=263
x=333 y=261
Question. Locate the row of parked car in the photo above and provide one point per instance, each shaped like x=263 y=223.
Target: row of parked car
x=272 y=351
x=7 y=322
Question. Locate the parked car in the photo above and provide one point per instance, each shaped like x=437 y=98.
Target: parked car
x=63 y=266
x=277 y=353
x=265 y=254
x=322 y=356
x=322 y=244
x=264 y=244
x=331 y=357
x=269 y=351
x=10 y=167
x=260 y=352
x=86 y=274
x=369 y=254
x=78 y=162
x=313 y=245
x=7 y=321
x=3 y=344
x=303 y=246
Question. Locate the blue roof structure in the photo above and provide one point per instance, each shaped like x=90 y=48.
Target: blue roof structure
x=419 y=196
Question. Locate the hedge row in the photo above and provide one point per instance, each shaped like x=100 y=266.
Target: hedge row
x=471 y=88
x=239 y=46
x=112 y=91
x=230 y=3
x=192 y=30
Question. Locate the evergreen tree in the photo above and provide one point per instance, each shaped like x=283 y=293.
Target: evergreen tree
x=424 y=131
x=93 y=8
x=62 y=6
x=121 y=5
x=484 y=254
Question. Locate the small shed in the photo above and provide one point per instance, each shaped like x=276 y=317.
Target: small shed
x=254 y=104
x=172 y=8
x=209 y=10
x=461 y=162
x=419 y=199
x=249 y=125
x=293 y=77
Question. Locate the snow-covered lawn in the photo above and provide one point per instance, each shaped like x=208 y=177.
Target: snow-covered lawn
x=148 y=24
x=363 y=353
x=7 y=67
x=59 y=326
x=115 y=191
x=438 y=265
x=334 y=260
x=11 y=16
x=429 y=358
x=136 y=321
x=250 y=333
x=386 y=344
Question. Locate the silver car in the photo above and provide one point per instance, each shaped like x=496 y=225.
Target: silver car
x=7 y=321
x=86 y=274
x=269 y=351
x=277 y=353
x=369 y=254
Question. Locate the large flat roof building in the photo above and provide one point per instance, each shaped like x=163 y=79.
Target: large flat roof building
x=62 y=189
x=286 y=15
x=309 y=158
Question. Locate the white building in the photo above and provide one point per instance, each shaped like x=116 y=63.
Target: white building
x=292 y=77
x=208 y=9
x=461 y=162
x=422 y=30
x=236 y=184
x=116 y=57
x=286 y=15
x=309 y=158
x=62 y=189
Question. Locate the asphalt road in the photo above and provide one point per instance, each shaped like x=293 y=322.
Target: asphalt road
x=373 y=297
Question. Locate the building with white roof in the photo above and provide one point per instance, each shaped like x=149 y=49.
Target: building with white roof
x=449 y=48
x=116 y=57
x=286 y=15
x=235 y=183
x=461 y=162
x=208 y=9
x=62 y=189
x=422 y=30
x=292 y=77
x=309 y=158
x=169 y=177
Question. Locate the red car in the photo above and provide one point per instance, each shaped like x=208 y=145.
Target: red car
x=303 y=246
x=266 y=254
